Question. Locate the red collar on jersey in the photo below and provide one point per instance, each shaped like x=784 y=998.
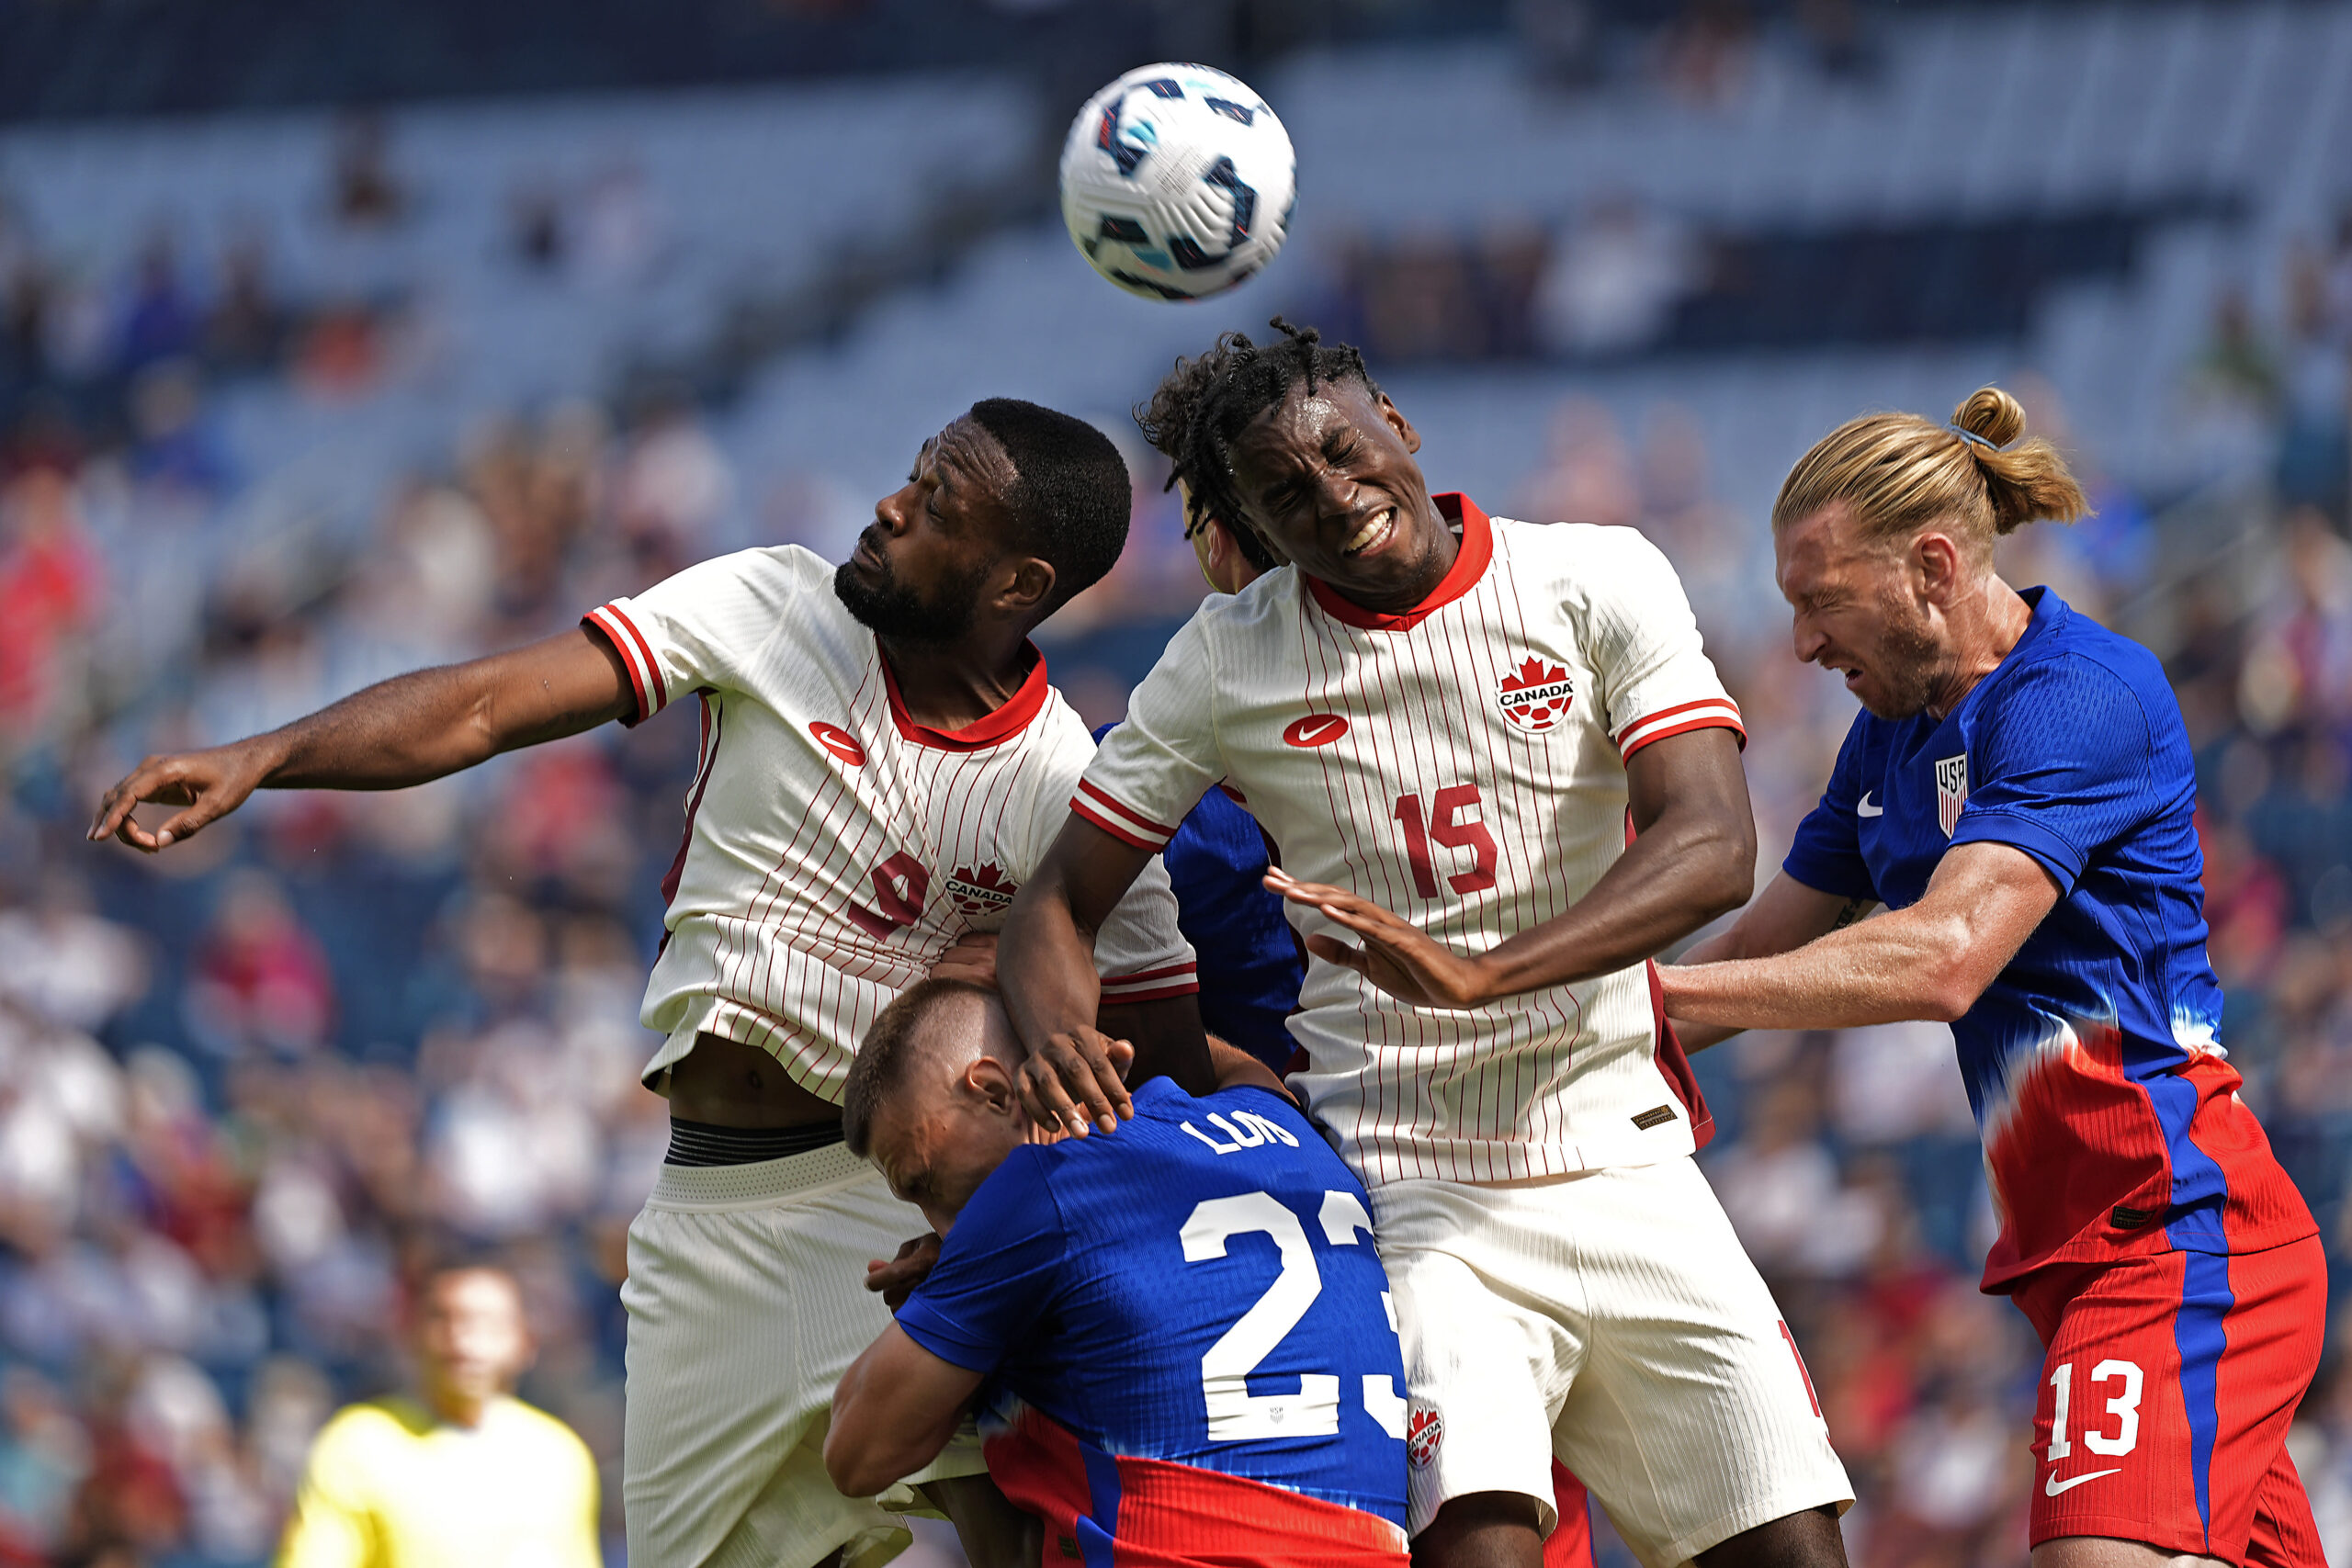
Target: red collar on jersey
x=1007 y=721
x=1469 y=566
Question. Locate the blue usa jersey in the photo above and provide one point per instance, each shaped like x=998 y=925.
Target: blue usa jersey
x=1188 y=1331
x=2110 y=1115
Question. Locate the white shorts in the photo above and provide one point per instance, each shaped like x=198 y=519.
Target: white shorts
x=747 y=1303
x=1612 y=1319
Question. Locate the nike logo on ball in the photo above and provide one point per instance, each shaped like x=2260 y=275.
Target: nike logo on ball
x=1866 y=808
x=2051 y=1487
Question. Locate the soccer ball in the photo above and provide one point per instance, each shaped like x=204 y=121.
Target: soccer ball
x=1178 y=182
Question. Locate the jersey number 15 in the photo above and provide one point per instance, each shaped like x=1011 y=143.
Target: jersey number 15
x=1441 y=820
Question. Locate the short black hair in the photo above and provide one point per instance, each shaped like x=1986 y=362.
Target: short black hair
x=1253 y=379
x=1071 y=494
x=1166 y=420
x=879 y=1069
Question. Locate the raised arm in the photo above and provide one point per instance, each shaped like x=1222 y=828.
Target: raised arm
x=404 y=731
x=1930 y=961
x=1693 y=858
x=1045 y=967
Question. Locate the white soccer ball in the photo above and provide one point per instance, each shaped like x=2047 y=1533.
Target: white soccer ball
x=1178 y=182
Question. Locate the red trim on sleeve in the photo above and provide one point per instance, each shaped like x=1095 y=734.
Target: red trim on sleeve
x=626 y=644
x=1104 y=798
x=1079 y=804
x=652 y=665
x=1469 y=566
x=1007 y=721
x=1650 y=737
x=1706 y=713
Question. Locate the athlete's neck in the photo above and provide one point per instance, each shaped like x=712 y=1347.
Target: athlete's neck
x=955 y=686
x=1984 y=626
x=457 y=1408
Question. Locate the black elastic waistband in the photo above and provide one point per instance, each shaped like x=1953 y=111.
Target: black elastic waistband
x=699 y=1143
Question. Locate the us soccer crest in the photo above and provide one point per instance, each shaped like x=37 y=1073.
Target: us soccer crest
x=1535 y=696
x=981 y=894
x=1952 y=791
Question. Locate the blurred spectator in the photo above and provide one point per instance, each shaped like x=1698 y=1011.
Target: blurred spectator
x=259 y=981
x=461 y=1473
x=1614 y=276
x=50 y=584
x=247 y=327
x=674 y=486
x=535 y=225
x=365 y=191
x=621 y=227
x=1705 y=55
x=175 y=450
x=159 y=320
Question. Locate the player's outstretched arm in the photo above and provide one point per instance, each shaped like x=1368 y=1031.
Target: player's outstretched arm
x=1046 y=966
x=894 y=1410
x=1693 y=858
x=404 y=731
x=1930 y=961
x=1786 y=915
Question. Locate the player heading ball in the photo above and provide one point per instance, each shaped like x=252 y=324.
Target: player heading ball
x=2018 y=791
x=1436 y=711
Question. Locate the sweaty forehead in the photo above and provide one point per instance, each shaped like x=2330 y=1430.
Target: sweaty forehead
x=1303 y=421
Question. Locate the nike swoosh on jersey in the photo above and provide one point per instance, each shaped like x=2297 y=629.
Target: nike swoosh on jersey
x=2051 y=1487
x=1866 y=809
x=1315 y=729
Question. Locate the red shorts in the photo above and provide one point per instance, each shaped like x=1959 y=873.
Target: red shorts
x=1570 y=1543
x=2165 y=1398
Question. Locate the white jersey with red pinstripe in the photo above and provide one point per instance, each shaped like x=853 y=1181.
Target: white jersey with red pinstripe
x=1463 y=764
x=834 y=847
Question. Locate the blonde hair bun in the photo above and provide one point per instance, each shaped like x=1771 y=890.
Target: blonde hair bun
x=1991 y=413
x=1902 y=474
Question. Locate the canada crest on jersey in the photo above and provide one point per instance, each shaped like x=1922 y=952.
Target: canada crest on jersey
x=1535 y=696
x=983 y=893
x=1952 y=791
x=1424 y=1435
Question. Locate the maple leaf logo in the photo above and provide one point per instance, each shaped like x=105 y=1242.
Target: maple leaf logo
x=983 y=892
x=1535 y=696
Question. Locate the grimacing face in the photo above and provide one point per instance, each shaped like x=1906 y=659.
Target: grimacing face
x=1330 y=478
x=915 y=575
x=1857 y=611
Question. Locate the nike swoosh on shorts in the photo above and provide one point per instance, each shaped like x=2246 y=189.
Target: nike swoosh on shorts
x=2051 y=1487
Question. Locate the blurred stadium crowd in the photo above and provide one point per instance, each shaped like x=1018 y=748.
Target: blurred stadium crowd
x=247 y=1090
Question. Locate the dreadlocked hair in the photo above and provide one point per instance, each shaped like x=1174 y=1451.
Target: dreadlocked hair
x=1166 y=421
x=1252 y=380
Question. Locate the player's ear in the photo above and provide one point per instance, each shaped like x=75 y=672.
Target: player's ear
x=1935 y=557
x=993 y=1081
x=1024 y=583
x=1400 y=425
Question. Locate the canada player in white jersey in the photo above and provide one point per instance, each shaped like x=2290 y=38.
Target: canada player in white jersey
x=883 y=764
x=1467 y=719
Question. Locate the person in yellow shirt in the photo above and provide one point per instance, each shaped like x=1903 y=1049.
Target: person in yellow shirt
x=462 y=1474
